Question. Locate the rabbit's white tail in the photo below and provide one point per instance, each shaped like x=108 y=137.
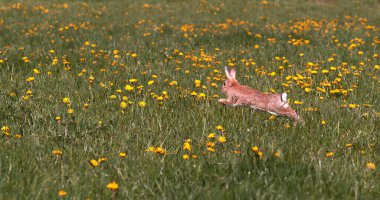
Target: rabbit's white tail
x=284 y=97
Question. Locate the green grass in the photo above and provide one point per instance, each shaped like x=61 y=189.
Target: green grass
x=186 y=41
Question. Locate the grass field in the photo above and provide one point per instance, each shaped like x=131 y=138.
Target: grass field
x=119 y=99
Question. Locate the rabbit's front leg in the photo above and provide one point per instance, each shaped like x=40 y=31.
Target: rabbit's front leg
x=226 y=102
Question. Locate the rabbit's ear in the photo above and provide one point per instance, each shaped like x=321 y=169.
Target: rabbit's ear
x=227 y=73
x=233 y=73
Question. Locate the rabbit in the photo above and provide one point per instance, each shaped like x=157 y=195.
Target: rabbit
x=241 y=95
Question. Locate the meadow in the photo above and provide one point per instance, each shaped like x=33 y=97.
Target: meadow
x=119 y=99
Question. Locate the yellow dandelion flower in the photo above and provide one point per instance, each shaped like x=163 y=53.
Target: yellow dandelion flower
x=122 y=154
x=66 y=100
x=222 y=139
x=219 y=128
x=56 y=152
x=123 y=104
x=259 y=155
x=296 y=102
x=112 y=186
x=142 y=104
x=133 y=80
x=323 y=122
x=329 y=154
x=91 y=79
x=70 y=111
x=185 y=157
x=134 y=55
x=371 y=166
x=128 y=87
x=210 y=144
x=94 y=163
x=57 y=118
x=255 y=149
x=211 y=135
x=5 y=128
x=349 y=145
x=36 y=71
x=30 y=79
x=150 y=82
x=277 y=154
x=160 y=150
x=210 y=149
x=62 y=193
x=150 y=149
x=187 y=146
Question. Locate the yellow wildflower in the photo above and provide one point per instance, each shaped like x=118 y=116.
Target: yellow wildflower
x=371 y=166
x=255 y=149
x=112 y=186
x=211 y=135
x=128 y=87
x=142 y=104
x=222 y=139
x=56 y=152
x=62 y=193
x=187 y=146
x=329 y=154
x=94 y=163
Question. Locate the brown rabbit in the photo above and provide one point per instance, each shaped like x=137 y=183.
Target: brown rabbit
x=241 y=95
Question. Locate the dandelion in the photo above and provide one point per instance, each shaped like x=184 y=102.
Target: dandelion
x=128 y=87
x=210 y=149
x=66 y=100
x=219 y=128
x=255 y=149
x=349 y=145
x=56 y=152
x=210 y=144
x=133 y=80
x=211 y=135
x=123 y=104
x=134 y=55
x=260 y=155
x=323 y=122
x=57 y=118
x=91 y=79
x=112 y=186
x=94 y=163
x=86 y=105
x=197 y=83
x=122 y=154
x=160 y=150
x=70 y=111
x=30 y=79
x=185 y=157
x=62 y=193
x=36 y=71
x=187 y=146
x=142 y=104
x=329 y=154
x=371 y=166
x=277 y=154
x=222 y=139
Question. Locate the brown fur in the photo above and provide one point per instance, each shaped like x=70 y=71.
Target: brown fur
x=241 y=95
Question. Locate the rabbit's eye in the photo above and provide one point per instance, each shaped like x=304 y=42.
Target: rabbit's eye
x=224 y=84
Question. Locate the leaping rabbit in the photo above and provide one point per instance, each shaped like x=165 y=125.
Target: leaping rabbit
x=241 y=95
